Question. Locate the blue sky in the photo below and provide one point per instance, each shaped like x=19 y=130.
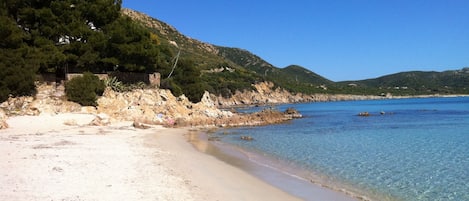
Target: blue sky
x=340 y=40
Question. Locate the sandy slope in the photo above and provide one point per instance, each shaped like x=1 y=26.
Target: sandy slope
x=44 y=159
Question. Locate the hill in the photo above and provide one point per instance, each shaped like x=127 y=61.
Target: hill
x=225 y=69
x=416 y=83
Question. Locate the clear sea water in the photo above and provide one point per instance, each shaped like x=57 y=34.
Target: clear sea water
x=417 y=150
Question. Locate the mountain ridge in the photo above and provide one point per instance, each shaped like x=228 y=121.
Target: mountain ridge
x=295 y=78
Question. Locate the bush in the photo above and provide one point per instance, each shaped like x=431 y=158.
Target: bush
x=84 y=89
x=172 y=86
x=114 y=84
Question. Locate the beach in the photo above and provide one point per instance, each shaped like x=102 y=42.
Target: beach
x=62 y=157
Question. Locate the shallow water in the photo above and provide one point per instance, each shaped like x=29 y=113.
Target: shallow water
x=417 y=150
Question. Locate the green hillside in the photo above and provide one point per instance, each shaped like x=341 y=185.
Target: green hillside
x=293 y=78
x=417 y=83
x=240 y=67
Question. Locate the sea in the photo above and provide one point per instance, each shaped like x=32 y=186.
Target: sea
x=405 y=150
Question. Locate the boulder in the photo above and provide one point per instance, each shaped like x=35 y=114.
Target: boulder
x=364 y=114
x=140 y=125
x=292 y=113
x=3 y=119
x=247 y=138
x=101 y=120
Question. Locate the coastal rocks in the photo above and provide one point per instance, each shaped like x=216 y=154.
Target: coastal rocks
x=159 y=107
x=292 y=113
x=147 y=106
x=364 y=114
x=246 y=138
x=264 y=117
x=266 y=93
x=19 y=106
x=48 y=100
x=367 y=114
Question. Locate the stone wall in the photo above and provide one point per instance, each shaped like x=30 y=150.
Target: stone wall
x=70 y=76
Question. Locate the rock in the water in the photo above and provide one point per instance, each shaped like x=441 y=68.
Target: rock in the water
x=247 y=138
x=292 y=113
x=364 y=114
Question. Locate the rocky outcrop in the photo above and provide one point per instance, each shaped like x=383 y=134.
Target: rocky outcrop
x=266 y=93
x=158 y=106
x=150 y=107
x=48 y=100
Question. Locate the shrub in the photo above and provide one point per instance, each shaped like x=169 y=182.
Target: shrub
x=114 y=84
x=84 y=89
x=172 y=86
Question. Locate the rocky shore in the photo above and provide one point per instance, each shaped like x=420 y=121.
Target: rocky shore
x=161 y=107
x=266 y=93
x=144 y=106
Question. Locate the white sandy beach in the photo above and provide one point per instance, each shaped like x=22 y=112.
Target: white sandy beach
x=45 y=159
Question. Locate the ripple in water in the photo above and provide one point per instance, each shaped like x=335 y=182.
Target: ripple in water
x=418 y=150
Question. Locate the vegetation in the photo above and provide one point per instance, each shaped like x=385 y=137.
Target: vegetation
x=68 y=36
x=61 y=36
x=114 y=84
x=414 y=83
x=84 y=89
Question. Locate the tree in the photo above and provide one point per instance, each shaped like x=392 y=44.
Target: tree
x=16 y=72
x=130 y=46
x=188 y=78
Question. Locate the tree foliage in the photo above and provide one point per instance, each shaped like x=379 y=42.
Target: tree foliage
x=17 y=60
x=186 y=80
x=53 y=36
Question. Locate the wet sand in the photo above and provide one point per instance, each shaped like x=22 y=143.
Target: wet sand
x=284 y=180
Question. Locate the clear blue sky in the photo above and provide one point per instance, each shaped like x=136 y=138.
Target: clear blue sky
x=340 y=40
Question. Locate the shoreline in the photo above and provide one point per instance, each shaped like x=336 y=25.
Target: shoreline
x=287 y=178
x=361 y=98
x=62 y=157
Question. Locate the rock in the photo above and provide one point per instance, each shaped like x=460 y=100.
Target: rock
x=101 y=120
x=292 y=113
x=3 y=119
x=247 y=138
x=364 y=114
x=140 y=125
x=70 y=122
x=88 y=110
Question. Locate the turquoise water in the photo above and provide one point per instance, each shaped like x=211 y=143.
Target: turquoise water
x=418 y=150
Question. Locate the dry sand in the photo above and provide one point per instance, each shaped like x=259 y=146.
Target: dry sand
x=44 y=159
x=61 y=157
